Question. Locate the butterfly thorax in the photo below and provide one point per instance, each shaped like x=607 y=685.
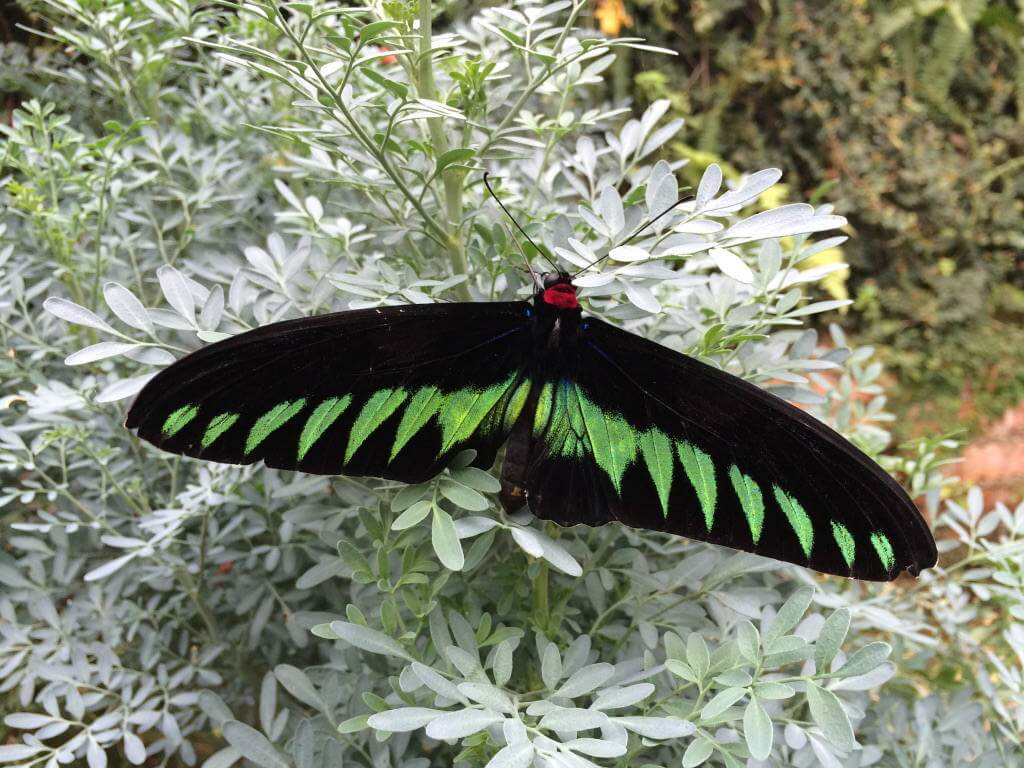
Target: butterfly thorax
x=556 y=320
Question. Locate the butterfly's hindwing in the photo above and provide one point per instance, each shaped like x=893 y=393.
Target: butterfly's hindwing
x=392 y=392
x=664 y=442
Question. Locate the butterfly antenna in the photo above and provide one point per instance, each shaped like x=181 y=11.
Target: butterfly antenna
x=526 y=259
x=513 y=220
x=635 y=233
x=643 y=228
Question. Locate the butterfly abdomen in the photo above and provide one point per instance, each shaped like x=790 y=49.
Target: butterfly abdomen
x=515 y=467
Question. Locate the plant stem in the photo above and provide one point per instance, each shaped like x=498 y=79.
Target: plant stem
x=430 y=227
x=548 y=70
x=451 y=177
x=185 y=579
x=202 y=552
x=541 y=610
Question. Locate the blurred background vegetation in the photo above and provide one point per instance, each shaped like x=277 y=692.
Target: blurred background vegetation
x=907 y=116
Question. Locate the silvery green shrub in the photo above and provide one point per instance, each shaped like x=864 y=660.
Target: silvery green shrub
x=189 y=172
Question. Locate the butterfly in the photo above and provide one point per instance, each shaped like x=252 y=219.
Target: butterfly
x=598 y=425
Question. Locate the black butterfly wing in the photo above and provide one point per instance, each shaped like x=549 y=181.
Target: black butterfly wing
x=633 y=431
x=390 y=392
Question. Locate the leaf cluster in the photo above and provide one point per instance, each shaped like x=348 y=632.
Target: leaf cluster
x=198 y=171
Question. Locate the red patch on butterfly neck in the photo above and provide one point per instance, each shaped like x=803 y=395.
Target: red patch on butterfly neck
x=561 y=296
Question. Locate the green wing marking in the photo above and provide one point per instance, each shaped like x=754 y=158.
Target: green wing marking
x=463 y=411
x=516 y=403
x=700 y=469
x=565 y=431
x=423 y=405
x=559 y=410
x=272 y=420
x=178 y=419
x=503 y=416
x=613 y=442
x=570 y=416
x=319 y=421
x=576 y=427
x=218 y=426
x=845 y=541
x=656 y=449
x=543 y=413
x=751 y=500
x=883 y=547
x=798 y=519
x=375 y=412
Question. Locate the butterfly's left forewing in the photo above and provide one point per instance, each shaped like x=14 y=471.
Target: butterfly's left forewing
x=390 y=392
x=638 y=433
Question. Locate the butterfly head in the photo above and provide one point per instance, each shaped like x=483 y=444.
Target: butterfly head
x=558 y=291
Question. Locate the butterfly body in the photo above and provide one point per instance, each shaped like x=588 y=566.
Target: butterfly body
x=598 y=425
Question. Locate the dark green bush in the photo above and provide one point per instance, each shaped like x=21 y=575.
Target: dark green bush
x=909 y=115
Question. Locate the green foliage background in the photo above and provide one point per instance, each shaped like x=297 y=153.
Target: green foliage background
x=175 y=172
x=907 y=116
